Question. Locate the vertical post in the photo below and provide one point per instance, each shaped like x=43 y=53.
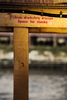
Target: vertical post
x=66 y=41
x=0 y=40
x=11 y=40
x=21 y=64
x=54 y=41
x=30 y=40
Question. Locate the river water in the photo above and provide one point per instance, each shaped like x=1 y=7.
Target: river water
x=48 y=84
x=44 y=84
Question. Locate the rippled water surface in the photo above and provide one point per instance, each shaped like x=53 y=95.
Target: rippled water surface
x=48 y=85
x=43 y=84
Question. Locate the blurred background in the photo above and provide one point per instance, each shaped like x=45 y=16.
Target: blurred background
x=47 y=66
x=47 y=62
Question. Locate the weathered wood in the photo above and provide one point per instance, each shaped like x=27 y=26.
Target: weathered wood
x=33 y=3
x=38 y=30
x=60 y=1
x=52 y=11
x=6 y=29
x=9 y=20
x=21 y=64
x=48 y=30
